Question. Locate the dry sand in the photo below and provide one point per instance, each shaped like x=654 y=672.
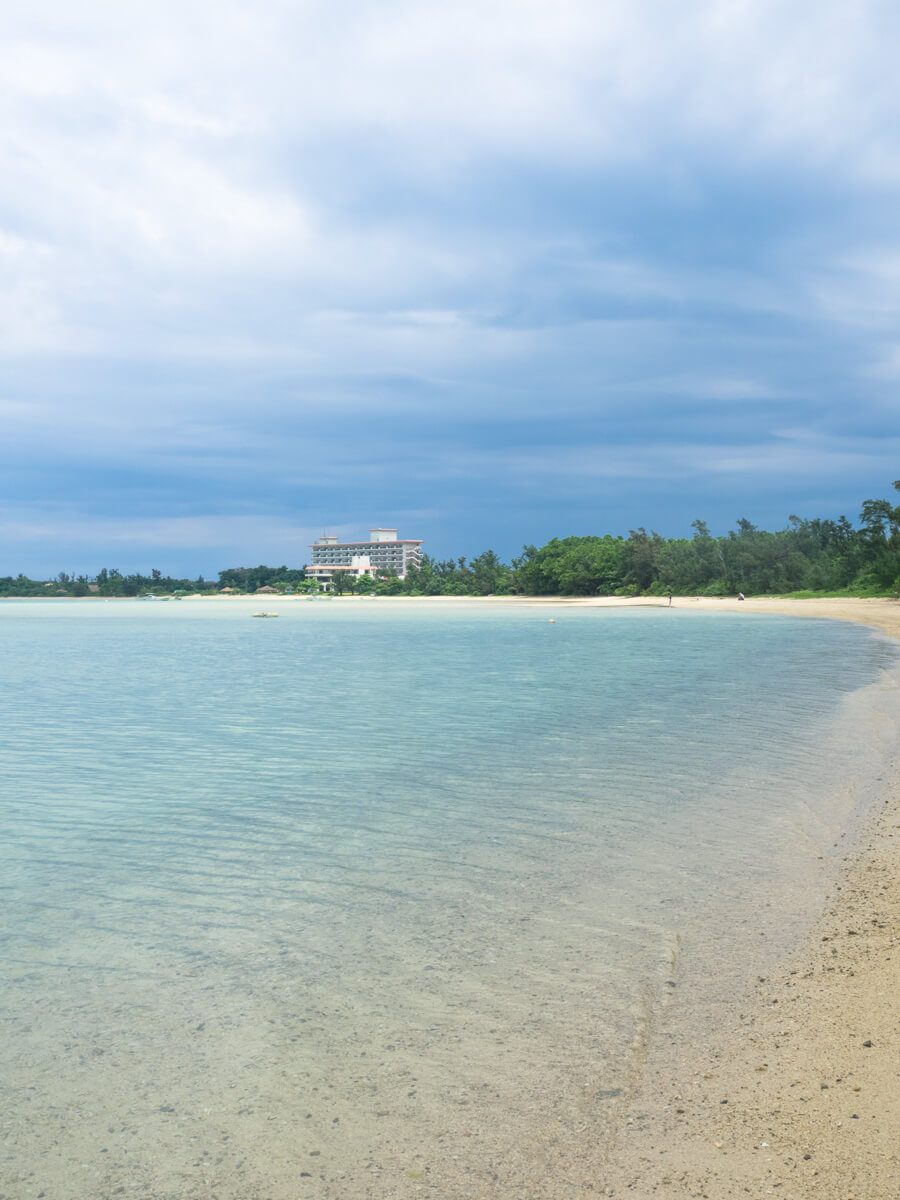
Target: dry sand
x=880 y=614
x=799 y=1096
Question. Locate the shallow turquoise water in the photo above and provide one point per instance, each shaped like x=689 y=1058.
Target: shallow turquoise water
x=405 y=869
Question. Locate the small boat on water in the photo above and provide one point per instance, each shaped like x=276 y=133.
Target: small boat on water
x=265 y=614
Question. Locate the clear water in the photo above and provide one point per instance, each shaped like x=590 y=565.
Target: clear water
x=387 y=899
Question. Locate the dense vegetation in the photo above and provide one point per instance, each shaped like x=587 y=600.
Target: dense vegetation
x=808 y=556
x=251 y=579
x=110 y=582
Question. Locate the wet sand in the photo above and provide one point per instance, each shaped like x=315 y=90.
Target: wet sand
x=798 y=1096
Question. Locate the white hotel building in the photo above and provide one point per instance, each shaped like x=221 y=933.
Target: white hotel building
x=384 y=551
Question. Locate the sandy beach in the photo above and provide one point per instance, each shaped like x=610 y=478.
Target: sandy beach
x=880 y=614
x=799 y=1096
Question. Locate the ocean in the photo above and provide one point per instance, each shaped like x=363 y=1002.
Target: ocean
x=391 y=898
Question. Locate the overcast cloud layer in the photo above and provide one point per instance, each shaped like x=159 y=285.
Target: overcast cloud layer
x=488 y=272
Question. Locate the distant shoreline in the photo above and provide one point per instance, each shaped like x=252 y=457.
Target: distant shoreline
x=879 y=612
x=882 y=613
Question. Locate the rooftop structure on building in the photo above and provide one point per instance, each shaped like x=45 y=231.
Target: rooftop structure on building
x=384 y=551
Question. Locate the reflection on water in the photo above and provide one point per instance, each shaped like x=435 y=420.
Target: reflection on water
x=382 y=900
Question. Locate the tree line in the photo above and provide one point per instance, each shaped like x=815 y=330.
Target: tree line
x=808 y=556
x=112 y=582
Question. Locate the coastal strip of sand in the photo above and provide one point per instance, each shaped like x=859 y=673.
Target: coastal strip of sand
x=798 y=1096
x=882 y=614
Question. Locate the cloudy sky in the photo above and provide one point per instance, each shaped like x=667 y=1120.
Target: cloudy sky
x=488 y=271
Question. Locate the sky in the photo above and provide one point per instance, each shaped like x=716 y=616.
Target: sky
x=487 y=272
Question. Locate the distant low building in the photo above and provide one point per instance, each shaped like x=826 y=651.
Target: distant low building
x=383 y=552
x=326 y=575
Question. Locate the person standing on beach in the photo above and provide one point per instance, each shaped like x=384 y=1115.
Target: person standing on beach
x=670 y=601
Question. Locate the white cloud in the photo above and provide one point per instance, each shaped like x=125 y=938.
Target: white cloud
x=319 y=198
x=52 y=525
x=176 y=124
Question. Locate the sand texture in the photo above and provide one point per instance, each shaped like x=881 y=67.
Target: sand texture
x=801 y=1096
